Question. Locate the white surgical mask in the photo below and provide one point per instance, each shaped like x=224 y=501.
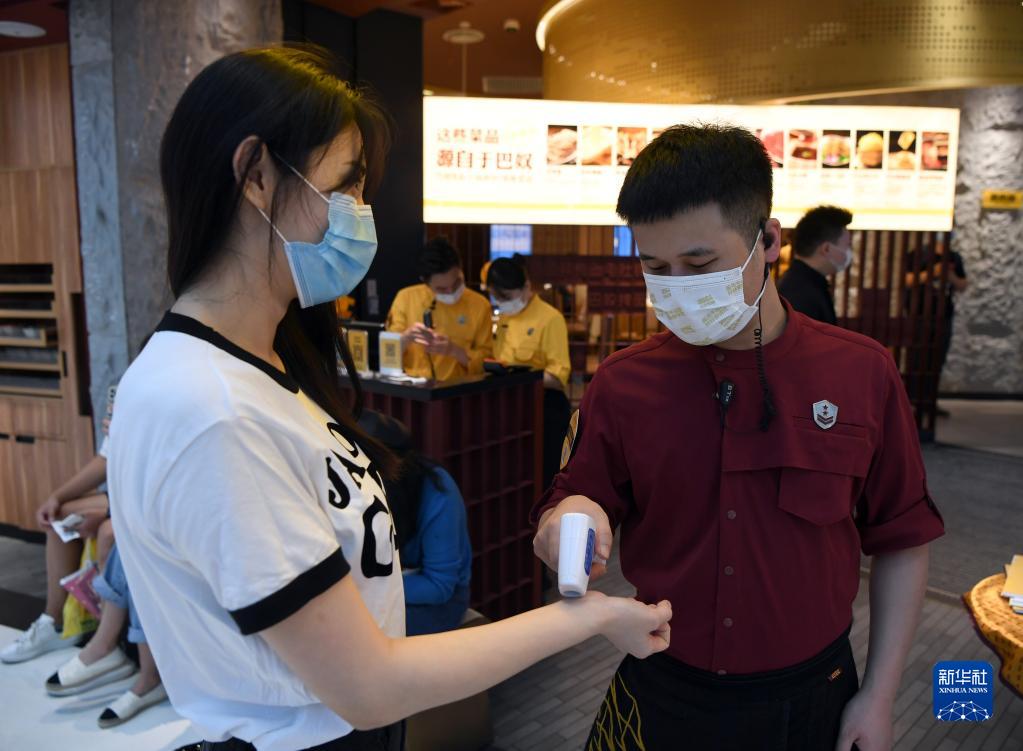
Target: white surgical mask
x=510 y=307
x=846 y=262
x=452 y=297
x=703 y=309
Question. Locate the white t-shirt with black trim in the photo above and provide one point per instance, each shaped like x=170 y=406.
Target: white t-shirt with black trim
x=236 y=500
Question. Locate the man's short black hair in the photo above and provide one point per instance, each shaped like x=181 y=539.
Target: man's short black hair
x=823 y=224
x=438 y=257
x=689 y=166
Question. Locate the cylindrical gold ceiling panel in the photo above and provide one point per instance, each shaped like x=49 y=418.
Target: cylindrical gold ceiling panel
x=743 y=51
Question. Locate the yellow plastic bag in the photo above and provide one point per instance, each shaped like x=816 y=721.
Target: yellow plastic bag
x=78 y=620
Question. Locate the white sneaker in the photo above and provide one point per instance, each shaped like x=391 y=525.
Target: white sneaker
x=75 y=677
x=41 y=637
x=128 y=705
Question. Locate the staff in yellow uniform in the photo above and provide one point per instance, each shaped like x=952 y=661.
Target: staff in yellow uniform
x=445 y=328
x=531 y=332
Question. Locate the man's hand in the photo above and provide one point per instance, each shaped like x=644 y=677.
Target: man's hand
x=547 y=542
x=418 y=333
x=867 y=722
x=439 y=344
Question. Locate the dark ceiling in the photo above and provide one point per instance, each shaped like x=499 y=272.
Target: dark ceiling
x=500 y=54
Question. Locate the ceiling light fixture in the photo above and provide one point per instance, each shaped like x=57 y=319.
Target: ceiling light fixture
x=463 y=36
x=21 y=30
x=548 y=18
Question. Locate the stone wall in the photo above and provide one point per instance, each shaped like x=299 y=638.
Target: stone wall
x=986 y=356
x=130 y=60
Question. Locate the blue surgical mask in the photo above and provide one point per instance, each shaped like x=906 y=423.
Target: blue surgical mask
x=335 y=265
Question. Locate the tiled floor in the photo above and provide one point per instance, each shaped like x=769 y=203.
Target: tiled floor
x=980 y=495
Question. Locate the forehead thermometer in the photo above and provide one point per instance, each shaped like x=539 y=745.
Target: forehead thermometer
x=575 y=554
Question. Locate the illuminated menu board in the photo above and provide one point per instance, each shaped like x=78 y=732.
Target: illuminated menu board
x=521 y=161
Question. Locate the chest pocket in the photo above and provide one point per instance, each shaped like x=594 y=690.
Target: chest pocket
x=525 y=350
x=820 y=473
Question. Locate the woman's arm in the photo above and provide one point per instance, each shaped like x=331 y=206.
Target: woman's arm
x=88 y=478
x=370 y=680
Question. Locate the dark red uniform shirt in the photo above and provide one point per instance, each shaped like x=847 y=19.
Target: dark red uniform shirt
x=754 y=537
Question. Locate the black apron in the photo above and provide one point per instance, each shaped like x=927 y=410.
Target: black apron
x=661 y=704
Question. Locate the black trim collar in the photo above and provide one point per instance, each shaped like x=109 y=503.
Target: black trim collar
x=191 y=327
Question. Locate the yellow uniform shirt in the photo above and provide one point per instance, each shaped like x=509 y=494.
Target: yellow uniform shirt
x=467 y=323
x=538 y=337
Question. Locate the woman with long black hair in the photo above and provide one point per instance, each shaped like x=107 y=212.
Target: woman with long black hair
x=249 y=508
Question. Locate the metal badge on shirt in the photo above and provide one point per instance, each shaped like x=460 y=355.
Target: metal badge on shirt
x=825 y=414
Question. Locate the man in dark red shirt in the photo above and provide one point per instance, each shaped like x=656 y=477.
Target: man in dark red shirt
x=749 y=454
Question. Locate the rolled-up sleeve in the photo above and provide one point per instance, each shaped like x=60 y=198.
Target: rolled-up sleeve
x=554 y=343
x=896 y=511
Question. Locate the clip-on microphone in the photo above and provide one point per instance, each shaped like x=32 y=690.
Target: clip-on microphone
x=725 y=395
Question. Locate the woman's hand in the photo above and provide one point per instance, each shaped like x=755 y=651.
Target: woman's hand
x=47 y=512
x=633 y=626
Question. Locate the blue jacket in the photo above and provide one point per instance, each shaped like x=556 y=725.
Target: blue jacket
x=440 y=549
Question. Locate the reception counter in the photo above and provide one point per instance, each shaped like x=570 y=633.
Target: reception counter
x=487 y=432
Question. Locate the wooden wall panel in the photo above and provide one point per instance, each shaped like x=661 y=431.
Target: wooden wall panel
x=562 y=240
x=35 y=121
x=42 y=418
x=47 y=438
x=26 y=239
x=8 y=485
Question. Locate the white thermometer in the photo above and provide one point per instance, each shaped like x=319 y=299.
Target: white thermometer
x=575 y=554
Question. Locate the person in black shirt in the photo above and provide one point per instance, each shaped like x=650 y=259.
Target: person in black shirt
x=821 y=246
x=920 y=272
